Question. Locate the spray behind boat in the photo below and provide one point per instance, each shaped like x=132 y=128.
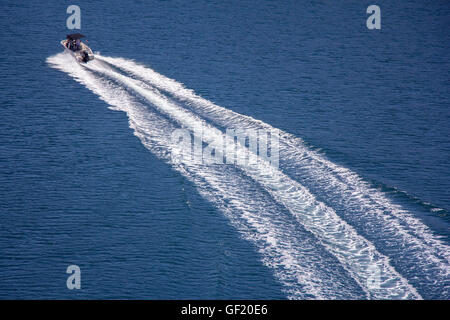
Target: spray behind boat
x=78 y=49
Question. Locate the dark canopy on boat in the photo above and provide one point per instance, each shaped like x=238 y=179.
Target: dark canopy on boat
x=75 y=36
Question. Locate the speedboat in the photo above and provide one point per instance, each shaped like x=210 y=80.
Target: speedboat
x=79 y=50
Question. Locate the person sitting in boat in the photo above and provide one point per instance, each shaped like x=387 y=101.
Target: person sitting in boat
x=72 y=45
x=77 y=45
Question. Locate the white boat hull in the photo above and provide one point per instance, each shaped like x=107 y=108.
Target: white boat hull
x=83 y=55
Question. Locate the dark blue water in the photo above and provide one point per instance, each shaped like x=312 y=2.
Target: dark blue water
x=78 y=187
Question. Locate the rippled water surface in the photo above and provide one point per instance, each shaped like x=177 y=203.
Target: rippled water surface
x=362 y=186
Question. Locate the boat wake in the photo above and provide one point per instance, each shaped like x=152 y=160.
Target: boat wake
x=323 y=231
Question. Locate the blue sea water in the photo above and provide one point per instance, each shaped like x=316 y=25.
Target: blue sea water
x=368 y=111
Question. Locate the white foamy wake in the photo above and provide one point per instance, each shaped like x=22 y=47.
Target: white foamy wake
x=397 y=231
x=292 y=255
x=277 y=241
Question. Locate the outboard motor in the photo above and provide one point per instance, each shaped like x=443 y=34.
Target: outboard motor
x=85 y=56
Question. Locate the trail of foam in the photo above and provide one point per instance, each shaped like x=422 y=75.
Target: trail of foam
x=304 y=268
x=378 y=218
x=355 y=253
